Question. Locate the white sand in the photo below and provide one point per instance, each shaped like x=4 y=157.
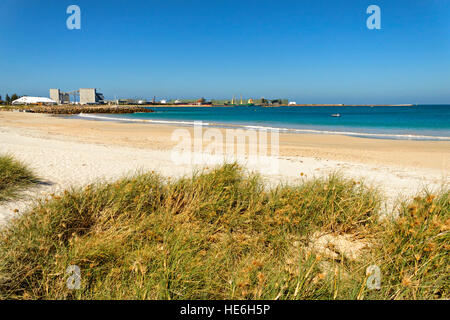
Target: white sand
x=62 y=162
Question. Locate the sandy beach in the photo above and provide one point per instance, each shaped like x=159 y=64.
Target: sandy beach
x=66 y=152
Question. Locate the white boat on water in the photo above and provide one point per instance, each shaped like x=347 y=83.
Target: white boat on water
x=336 y=115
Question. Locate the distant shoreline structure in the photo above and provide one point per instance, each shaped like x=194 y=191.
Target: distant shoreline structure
x=90 y=97
x=133 y=108
x=291 y=105
x=77 y=109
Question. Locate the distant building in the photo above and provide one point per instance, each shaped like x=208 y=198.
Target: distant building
x=127 y=101
x=271 y=103
x=86 y=96
x=91 y=96
x=292 y=103
x=33 y=100
x=59 y=97
x=278 y=102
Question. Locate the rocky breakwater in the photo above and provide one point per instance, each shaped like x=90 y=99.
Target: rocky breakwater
x=85 y=109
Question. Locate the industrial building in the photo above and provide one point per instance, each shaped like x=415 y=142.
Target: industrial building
x=33 y=100
x=91 y=96
x=85 y=96
x=59 y=97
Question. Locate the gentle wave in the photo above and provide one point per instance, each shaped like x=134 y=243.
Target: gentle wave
x=350 y=133
x=90 y=116
x=312 y=131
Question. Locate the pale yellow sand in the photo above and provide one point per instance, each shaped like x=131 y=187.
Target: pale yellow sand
x=68 y=152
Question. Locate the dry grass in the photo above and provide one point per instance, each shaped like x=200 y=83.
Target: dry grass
x=414 y=250
x=216 y=235
x=14 y=176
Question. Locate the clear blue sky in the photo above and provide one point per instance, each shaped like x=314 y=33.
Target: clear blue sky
x=310 y=51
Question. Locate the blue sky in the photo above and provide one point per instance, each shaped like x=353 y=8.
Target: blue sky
x=310 y=51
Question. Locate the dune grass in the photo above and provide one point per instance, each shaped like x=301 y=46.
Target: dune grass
x=14 y=177
x=414 y=250
x=216 y=235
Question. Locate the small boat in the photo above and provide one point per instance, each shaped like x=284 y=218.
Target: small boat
x=336 y=115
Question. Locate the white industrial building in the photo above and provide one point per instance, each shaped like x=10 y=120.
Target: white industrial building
x=34 y=100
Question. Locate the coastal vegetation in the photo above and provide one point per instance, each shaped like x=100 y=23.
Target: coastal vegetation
x=8 y=99
x=221 y=234
x=14 y=177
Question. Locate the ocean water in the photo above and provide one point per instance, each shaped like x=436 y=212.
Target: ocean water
x=421 y=122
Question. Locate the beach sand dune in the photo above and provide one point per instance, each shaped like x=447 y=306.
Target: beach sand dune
x=66 y=152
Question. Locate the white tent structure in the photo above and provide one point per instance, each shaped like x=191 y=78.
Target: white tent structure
x=34 y=100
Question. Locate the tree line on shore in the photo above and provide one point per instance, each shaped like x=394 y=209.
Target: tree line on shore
x=9 y=99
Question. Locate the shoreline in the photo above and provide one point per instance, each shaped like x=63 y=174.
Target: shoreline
x=410 y=153
x=369 y=135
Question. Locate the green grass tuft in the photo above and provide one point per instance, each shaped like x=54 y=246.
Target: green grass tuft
x=14 y=177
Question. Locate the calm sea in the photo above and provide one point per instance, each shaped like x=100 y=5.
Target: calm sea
x=422 y=122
